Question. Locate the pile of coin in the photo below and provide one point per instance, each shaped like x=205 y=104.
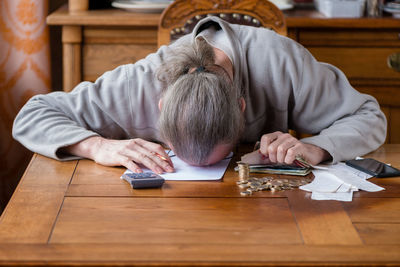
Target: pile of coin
x=254 y=184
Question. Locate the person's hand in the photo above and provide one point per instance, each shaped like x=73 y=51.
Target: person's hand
x=127 y=153
x=283 y=148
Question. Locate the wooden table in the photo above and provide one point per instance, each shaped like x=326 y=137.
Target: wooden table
x=78 y=212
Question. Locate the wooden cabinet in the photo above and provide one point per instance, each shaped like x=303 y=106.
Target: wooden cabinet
x=100 y=40
x=105 y=48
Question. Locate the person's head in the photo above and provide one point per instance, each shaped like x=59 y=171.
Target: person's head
x=201 y=108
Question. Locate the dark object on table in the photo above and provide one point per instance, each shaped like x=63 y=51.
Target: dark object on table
x=143 y=180
x=373 y=167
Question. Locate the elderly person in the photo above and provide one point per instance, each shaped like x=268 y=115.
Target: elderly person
x=200 y=96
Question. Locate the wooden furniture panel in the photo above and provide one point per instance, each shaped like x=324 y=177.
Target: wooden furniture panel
x=35 y=203
x=144 y=35
x=98 y=58
x=374 y=210
x=200 y=255
x=379 y=233
x=98 y=180
x=76 y=6
x=349 y=37
x=107 y=48
x=387 y=95
x=72 y=61
x=322 y=222
x=395 y=125
x=176 y=221
x=98 y=174
x=102 y=17
x=359 y=63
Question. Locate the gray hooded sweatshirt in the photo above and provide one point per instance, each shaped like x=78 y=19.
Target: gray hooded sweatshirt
x=283 y=85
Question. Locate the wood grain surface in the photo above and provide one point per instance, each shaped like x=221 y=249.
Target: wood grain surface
x=81 y=213
x=176 y=221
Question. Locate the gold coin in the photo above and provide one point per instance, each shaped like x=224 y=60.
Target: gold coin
x=244 y=170
x=266 y=179
x=294 y=183
x=251 y=189
x=276 y=187
x=265 y=187
x=255 y=184
x=276 y=182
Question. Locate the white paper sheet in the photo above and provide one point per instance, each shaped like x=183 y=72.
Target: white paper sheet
x=338 y=182
x=345 y=168
x=346 y=188
x=354 y=177
x=186 y=172
x=345 y=196
x=324 y=181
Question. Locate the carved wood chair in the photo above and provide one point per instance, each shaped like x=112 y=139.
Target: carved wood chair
x=180 y=17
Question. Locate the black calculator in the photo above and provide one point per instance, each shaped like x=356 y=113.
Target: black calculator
x=143 y=180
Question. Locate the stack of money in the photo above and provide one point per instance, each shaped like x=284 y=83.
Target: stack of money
x=299 y=167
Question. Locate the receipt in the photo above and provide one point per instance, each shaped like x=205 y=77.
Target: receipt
x=324 y=181
x=338 y=182
x=352 y=176
x=346 y=196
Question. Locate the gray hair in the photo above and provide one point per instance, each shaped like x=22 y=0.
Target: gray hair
x=200 y=109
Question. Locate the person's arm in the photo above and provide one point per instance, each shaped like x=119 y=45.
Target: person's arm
x=120 y=105
x=344 y=122
x=128 y=153
x=321 y=102
x=347 y=123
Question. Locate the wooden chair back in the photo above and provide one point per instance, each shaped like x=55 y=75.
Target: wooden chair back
x=180 y=17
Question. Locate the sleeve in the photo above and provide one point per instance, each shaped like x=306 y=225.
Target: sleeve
x=344 y=122
x=122 y=103
x=49 y=122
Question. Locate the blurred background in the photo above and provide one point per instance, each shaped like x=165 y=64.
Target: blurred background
x=30 y=64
